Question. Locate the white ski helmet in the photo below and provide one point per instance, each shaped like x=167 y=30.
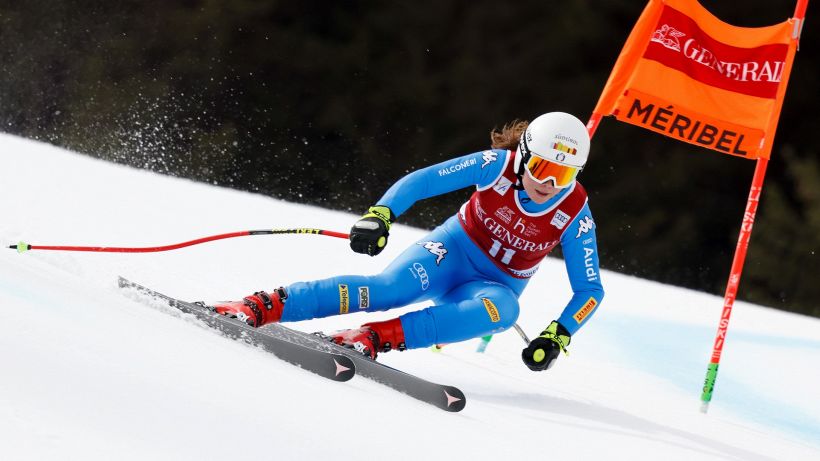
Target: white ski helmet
x=557 y=137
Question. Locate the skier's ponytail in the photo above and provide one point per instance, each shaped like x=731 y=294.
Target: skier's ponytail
x=508 y=136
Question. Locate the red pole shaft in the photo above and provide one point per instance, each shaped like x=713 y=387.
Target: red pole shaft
x=174 y=246
x=21 y=247
x=592 y=124
x=740 y=256
x=800 y=9
x=734 y=281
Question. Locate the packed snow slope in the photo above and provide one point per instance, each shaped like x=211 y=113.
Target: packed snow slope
x=88 y=372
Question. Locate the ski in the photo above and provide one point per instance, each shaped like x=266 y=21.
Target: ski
x=272 y=337
x=334 y=366
x=445 y=397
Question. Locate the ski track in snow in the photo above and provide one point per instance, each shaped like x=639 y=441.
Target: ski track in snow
x=90 y=372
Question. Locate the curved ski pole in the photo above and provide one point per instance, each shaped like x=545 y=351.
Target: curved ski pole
x=485 y=340
x=23 y=247
x=522 y=334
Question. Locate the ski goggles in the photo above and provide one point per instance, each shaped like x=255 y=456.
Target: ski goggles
x=542 y=170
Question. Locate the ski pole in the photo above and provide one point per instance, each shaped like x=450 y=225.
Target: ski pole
x=23 y=247
x=522 y=334
x=482 y=346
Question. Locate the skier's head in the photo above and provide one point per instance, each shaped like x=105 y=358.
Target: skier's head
x=554 y=147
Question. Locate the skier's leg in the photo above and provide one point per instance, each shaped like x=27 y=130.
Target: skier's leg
x=427 y=269
x=471 y=310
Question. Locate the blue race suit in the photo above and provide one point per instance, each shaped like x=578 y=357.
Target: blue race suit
x=472 y=294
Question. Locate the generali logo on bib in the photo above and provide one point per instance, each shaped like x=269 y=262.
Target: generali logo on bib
x=678 y=42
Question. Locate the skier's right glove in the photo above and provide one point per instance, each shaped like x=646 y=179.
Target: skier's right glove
x=369 y=234
x=540 y=355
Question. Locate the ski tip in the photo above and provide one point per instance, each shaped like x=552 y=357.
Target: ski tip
x=455 y=400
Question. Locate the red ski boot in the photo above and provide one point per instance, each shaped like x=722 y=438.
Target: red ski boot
x=257 y=309
x=372 y=338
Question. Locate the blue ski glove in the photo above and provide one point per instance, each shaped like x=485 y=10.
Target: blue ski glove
x=540 y=355
x=369 y=234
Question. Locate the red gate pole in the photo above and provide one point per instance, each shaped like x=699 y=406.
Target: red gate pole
x=743 y=244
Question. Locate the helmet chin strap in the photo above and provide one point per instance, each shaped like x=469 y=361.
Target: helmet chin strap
x=519 y=174
x=525 y=154
x=519 y=183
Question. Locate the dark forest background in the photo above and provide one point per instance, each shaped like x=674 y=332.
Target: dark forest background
x=329 y=102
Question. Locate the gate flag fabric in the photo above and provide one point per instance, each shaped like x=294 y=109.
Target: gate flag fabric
x=688 y=75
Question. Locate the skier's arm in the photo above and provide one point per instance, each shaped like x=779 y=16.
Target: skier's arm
x=369 y=234
x=581 y=257
x=580 y=250
x=476 y=169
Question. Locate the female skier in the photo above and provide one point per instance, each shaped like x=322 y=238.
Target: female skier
x=475 y=266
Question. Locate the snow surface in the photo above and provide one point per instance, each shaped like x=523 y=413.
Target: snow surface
x=88 y=372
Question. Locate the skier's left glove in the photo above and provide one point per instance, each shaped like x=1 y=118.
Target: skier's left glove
x=540 y=355
x=369 y=234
